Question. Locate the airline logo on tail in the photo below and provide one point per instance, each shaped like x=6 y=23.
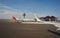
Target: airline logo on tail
x=14 y=19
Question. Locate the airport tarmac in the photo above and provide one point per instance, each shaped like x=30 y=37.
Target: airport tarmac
x=20 y=30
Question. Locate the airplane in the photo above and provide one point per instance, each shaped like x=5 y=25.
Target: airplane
x=22 y=20
x=56 y=24
x=36 y=19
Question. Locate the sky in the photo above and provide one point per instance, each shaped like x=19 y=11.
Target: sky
x=9 y=8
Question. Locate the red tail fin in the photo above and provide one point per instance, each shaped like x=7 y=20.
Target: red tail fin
x=14 y=19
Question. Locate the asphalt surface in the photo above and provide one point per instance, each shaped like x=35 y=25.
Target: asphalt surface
x=19 y=30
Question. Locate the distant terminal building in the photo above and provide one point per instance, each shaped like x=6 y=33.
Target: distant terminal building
x=49 y=18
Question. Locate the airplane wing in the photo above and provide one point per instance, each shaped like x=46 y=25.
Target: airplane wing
x=54 y=23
